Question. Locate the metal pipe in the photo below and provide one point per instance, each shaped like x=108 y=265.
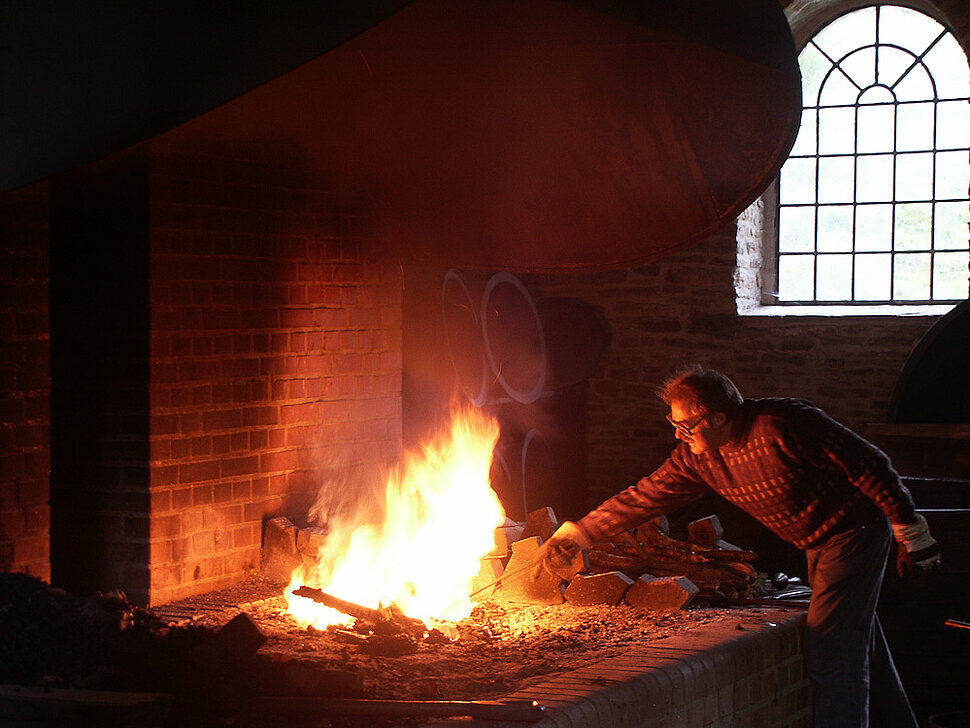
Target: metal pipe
x=522 y=711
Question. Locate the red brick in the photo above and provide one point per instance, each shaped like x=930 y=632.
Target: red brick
x=181 y=448
x=298 y=413
x=164 y=475
x=202 y=495
x=240 y=466
x=221 y=420
x=31 y=548
x=240 y=368
x=33 y=491
x=199 y=370
x=12 y=523
x=200 y=471
x=278 y=461
x=162 y=424
x=181 y=498
x=190 y=422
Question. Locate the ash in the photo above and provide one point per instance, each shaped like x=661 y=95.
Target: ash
x=102 y=642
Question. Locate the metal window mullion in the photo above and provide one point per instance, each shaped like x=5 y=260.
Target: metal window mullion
x=818 y=161
x=855 y=196
x=892 y=217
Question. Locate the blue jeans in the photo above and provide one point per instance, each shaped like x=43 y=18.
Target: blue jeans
x=845 y=649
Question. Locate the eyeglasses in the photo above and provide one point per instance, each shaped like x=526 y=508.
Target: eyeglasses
x=683 y=427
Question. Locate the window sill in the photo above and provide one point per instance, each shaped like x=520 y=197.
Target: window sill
x=930 y=310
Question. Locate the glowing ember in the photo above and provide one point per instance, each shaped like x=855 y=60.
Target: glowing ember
x=439 y=519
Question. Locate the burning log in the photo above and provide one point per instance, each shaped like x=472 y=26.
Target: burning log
x=386 y=620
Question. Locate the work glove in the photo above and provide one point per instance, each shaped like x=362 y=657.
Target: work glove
x=561 y=553
x=918 y=551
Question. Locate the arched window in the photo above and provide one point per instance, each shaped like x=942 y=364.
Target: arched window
x=872 y=203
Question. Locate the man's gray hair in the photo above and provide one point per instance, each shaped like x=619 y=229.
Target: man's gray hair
x=703 y=390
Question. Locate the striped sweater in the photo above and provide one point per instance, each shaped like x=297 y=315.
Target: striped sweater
x=792 y=467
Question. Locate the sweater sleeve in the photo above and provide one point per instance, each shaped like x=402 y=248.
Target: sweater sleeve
x=670 y=486
x=864 y=465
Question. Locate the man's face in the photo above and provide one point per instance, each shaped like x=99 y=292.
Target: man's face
x=701 y=431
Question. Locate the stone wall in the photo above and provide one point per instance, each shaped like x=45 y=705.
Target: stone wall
x=681 y=310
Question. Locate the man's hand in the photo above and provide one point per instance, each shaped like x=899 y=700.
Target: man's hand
x=918 y=550
x=560 y=552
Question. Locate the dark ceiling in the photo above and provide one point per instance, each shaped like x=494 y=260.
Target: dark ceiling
x=539 y=135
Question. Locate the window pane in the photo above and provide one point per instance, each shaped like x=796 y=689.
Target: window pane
x=872 y=276
x=836 y=131
x=835 y=179
x=911 y=279
x=915 y=127
x=907 y=28
x=950 y=275
x=834 y=278
x=952 y=174
x=876 y=132
x=952 y=124
x=948 y=64
x=796 y=233
x=860 y=66
x=835 y=228
x=813 y=66
x=951 y=230
x=797 y=183
x=914 y=177
x=874 y=227
x=795 y=274
x=875 y=178
x=848 y=33
x=913 y=226
x=837 y=90
x=805 y=141
x=916 y=85
x=893 y=63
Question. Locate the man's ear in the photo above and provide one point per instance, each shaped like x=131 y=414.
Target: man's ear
x=718 y=419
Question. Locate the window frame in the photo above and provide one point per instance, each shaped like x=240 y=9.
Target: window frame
x=764 y=216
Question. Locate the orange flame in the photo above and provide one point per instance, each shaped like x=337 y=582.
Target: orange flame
x=440 y=515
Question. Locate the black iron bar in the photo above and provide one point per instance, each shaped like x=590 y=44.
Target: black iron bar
x=520 y=711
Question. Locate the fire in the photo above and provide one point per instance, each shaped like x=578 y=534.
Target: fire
x=439 y=519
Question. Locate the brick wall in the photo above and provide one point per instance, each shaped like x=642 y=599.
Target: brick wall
x=744 y=673
x=24 y=383
x=275 y=353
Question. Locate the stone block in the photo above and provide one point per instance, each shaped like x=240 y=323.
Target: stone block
x=705 y=532
x=666 y=592
x=280 y=554
x=492 y=567
x=589 y=589
x=309 y=541
x=505 y=536
x=541 y=522
x=241 y=637
x=526 y=580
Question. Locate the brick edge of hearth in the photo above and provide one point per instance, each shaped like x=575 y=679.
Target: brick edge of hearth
x=744 y=672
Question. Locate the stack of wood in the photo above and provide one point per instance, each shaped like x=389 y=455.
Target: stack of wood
x=645 y=567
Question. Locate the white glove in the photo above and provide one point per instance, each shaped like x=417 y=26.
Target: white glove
x=564 y=545
x=918 y=550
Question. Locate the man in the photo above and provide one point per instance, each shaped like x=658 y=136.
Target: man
x=815 y=484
